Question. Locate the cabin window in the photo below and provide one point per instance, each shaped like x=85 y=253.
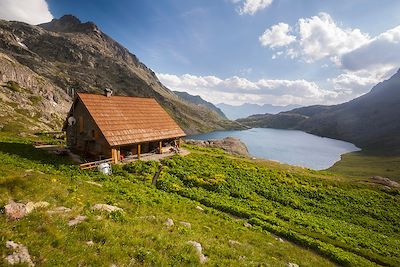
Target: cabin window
x=93 y=134
x=80 y=124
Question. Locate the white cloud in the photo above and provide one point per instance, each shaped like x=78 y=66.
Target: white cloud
x=382 y=51
x=315 y=38
x=352 y=84
x=29 y=11
x=278 y=35
x=363 y=60
x=250 y=7
x=320 y=37
x=238 y=90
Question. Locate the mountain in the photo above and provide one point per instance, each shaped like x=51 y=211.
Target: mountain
x=370 y=121
x=51 y=61
x=247 y=109
x=197 y=100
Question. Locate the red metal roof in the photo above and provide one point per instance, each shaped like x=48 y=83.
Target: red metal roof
x=128 y=120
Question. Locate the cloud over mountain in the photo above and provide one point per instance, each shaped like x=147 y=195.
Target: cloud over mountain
x=238 y=90
x=29 y=11
x=362 y=60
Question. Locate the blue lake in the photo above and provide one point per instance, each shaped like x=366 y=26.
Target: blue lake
x=288 y=146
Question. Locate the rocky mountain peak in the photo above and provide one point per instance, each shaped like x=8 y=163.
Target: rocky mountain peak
x=70 y=23
x=69 y=19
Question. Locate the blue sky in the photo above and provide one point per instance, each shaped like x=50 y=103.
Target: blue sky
x=258 y=51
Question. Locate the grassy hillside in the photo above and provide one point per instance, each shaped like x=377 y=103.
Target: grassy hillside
x=136 y=236
x=354 y=224
x=326 y=215
x=365 y=164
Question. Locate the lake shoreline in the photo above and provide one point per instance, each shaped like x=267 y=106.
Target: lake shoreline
x=293 y=147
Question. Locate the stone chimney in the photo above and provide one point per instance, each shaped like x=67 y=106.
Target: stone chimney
x=108 y=92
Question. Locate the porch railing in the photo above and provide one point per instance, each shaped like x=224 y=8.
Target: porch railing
x=94 y=164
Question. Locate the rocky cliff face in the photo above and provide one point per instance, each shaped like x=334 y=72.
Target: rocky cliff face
x=28 y=100
x=66 y=56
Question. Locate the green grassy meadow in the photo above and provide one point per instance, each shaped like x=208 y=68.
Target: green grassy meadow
x=137 y=236
x=353 y=224
x=364 y=164
x=311 y=218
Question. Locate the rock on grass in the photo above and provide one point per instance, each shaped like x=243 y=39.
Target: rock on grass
x=169 y=222
x=31 y=206
x=106 y=207
x=15 y=211
x=58 y=210
x=78 y=219
x=199 y=250
x=20 y=254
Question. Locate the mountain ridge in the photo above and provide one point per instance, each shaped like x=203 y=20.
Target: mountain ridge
x=198 y=100
x=78 y=57
x=247 y=109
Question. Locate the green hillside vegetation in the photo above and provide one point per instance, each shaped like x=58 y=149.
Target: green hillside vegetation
x=365 y=164
x=323 y=218
x=354 y=224
x=136 y=236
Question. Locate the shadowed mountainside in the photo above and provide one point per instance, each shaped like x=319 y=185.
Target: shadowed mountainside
x=196 y=99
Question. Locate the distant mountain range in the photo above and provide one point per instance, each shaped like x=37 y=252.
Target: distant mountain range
x=196 y=99
x=244 y=110
x=42 y=66
x=371 y=121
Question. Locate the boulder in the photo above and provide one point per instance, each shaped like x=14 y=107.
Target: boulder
x=384 y=181
x=106 y=207
x=290 y=264
x=78 y=219
x=169 y=222
x=15 y=211
x=20 y=254
x=199 y=250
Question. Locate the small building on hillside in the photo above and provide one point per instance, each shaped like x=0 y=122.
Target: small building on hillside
x=106 y=126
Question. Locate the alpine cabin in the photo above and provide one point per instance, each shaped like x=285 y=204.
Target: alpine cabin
x=106 y=126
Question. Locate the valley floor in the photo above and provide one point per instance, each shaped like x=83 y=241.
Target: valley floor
x=252 y=213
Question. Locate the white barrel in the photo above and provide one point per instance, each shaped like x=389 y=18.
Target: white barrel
x=104 y=168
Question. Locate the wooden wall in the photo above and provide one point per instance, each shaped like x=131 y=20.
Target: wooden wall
x=85 y=136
